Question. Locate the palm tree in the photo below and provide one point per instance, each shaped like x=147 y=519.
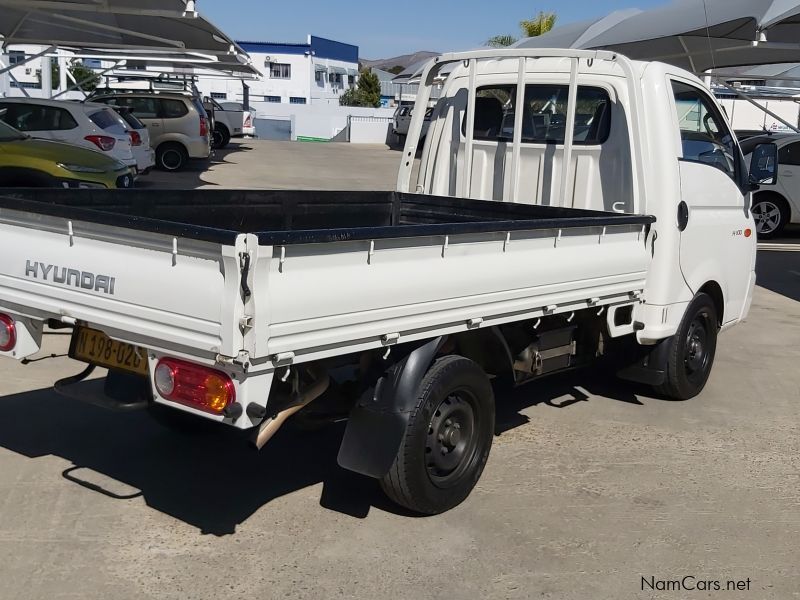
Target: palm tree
x=535 y=27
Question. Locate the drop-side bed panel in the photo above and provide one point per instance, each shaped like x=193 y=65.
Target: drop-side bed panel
x=145 y=288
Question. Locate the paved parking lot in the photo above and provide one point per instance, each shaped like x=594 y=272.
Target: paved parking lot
x=592 y=484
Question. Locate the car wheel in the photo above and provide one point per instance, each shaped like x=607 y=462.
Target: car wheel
x=220 y=137
x=692 y=351
x=771 y=214
x=447 y=439
x=171 y=157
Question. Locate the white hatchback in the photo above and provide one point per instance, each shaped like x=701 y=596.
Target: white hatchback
x=93 y=126
x=776 y=206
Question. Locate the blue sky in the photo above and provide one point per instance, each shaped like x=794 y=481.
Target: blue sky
x=385 y=29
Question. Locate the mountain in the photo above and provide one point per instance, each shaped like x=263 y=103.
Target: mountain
x=405 y=61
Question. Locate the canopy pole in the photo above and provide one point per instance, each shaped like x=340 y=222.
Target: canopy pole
x=516 y=153
x=466 y=184
x=569 y=133
x=744 y=96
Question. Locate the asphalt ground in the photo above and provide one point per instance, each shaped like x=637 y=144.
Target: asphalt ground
x=594 y=487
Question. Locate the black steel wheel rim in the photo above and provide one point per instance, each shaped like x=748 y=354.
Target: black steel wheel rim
x=697 y=353
x=452 y=441
x=216 y=139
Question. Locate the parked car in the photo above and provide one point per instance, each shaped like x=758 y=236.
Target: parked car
x=402 y=121
x=93 y=126
x=231 y=120
x=140 y=140
x=250 y=116
x=178 y=124
x=29 y=162
x=777 y=205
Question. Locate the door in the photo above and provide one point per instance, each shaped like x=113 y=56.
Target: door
x=146 y=109
x=789 y=174
x=718 y=233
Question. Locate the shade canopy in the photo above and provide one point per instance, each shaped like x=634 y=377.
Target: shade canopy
x=696 y=35
x=136 y=27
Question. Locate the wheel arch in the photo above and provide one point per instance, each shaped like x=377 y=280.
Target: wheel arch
x=714 y=290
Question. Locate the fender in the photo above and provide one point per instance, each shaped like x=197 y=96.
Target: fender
x=378 y=423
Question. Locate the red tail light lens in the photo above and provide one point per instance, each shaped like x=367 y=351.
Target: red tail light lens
x=193 y=385
x=248 y=122
x=136 y=139
x=103 y=142
x=8 y=333
x=203 y=127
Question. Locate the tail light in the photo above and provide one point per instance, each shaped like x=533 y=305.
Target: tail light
x=103 y=142
x=248 y=122
x=203 y=127
x=136 y=139
x=193 y=385
x=8 y=333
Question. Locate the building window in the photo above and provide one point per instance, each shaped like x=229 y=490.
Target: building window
x=336 y=79
x=219 y=95
x=280 y=71
x=275 y=99
x=16 y=57
x=294 y=100
x=319 y=77
x=28 y=85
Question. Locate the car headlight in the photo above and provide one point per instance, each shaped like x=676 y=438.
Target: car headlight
x=80 y=168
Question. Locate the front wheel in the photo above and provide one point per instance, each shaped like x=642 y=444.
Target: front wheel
x=692 y=351
x=447 y=439
x=771 y=214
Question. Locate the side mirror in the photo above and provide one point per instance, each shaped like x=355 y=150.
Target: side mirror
x=764 y=165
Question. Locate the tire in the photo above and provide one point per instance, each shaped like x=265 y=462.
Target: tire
x=771 y=213
x=447 y=439
x=692 y=351
x=220 y=137
x=171 y=157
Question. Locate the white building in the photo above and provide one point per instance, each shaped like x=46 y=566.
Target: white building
x=316 y=72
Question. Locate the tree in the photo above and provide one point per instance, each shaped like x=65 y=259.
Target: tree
x=86 y=77
x=397 y=69
x=539 y=25
x=368 y=92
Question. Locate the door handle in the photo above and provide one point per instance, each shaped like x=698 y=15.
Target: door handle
x=787 y=174
x=683 y=216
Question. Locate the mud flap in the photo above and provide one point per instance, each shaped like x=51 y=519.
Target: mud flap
x=378 y=423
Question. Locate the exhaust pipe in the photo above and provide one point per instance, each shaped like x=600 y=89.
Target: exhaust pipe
x=271 y=426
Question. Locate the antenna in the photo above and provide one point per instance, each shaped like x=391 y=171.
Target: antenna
x=708 y=36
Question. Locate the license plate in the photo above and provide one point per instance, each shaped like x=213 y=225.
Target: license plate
x=96 y=348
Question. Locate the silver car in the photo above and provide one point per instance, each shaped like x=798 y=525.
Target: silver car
x=178 y=124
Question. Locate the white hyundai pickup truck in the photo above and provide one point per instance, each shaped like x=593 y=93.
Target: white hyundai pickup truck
x=570 y=207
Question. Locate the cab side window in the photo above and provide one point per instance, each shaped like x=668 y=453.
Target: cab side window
x=790 y=155
x=705 y=136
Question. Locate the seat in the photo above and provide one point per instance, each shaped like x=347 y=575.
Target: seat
x=488 y=118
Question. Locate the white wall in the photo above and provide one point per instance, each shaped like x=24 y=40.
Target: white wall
x=744 y=115
x=370 y=130
x=323 y=121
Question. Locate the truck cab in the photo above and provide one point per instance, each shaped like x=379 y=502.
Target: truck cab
x=644 y=138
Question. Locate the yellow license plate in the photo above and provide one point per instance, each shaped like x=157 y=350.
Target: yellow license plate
x=96 y=348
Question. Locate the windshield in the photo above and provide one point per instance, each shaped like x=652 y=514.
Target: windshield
x=9 y=134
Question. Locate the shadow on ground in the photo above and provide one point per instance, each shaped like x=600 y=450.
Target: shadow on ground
x=191 y=177
x=779 y=272
x=217 y=481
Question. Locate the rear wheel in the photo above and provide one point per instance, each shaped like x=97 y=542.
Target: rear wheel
x=447 y=439
x=220 y=137
x=171 y=157
x=771 y=214
x=692 y=351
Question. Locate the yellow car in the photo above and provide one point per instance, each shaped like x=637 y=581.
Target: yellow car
x=26 y=162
